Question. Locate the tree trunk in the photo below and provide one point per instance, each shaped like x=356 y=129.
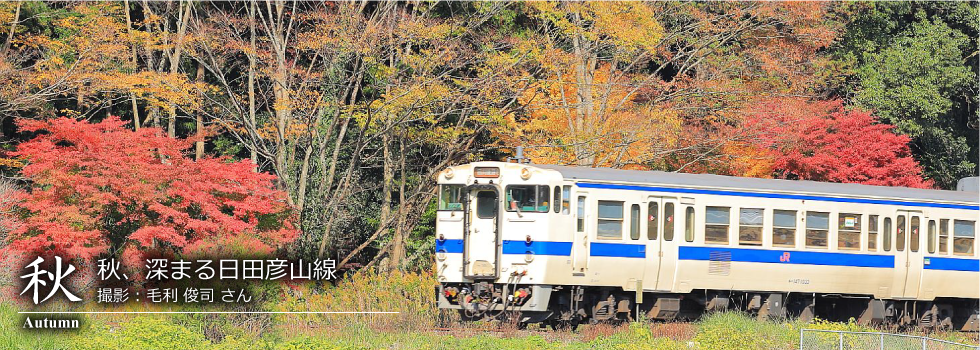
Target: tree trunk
x=132 y=96
x=388 y=179
x=10 y=34
x=251 y=79
x=398 y=246
x=199 y=144
x=183 y=19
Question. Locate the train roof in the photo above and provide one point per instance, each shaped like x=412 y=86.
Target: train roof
x=767 y=185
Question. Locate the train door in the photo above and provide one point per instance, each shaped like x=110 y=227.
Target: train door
x=661 y=246
x=915 y=250
x=908 y=254
x=481 y=230
x=580 y=238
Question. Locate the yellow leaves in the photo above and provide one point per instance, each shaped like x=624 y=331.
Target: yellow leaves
x=602 y=124
x=746 y=159
x=628 y=25
x=11 y=162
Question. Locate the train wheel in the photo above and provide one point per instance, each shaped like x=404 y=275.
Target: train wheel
x=563 y=325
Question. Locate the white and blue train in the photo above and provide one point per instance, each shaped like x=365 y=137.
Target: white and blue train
x=564 y=245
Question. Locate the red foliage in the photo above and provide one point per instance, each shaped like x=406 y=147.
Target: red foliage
x=99 y=185
x=822 y=141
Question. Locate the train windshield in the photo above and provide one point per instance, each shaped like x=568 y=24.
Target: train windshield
x=527 y=198
x=451 y=197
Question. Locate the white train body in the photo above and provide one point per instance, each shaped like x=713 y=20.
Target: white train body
x=530 y=233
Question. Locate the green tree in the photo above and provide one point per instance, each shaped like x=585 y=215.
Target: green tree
x=914 y=64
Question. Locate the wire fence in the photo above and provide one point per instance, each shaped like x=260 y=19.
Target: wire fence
x=818 y=339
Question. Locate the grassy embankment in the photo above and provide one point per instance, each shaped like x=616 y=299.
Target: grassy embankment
x=409 y=294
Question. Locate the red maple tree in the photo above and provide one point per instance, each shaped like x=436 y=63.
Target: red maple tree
x=824 y=141
x=93 y=186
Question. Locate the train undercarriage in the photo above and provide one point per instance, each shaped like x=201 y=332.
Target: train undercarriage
x=570 y=306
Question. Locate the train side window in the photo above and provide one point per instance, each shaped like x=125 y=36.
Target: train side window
x=527 y=198
x=609 y=222
x=716 y=222
x=652 y=226
x=817 y=229
x=900 y=233
x=914 y=234
x=943 y=236
x=872 y=233
x=784 y=228
x=689 y=224
x=886 y=239
x=566 y=200
x=932 y=237
x=849 y=231
x=635 y=222
x=964 y=234
x=750 y=226
x=580 y=220
x=669 y=221
x=557 y=199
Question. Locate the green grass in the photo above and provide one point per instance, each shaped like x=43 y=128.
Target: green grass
x=721 y=331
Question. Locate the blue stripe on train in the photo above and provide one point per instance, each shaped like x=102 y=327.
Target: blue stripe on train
x=552 y=248
x=617 y=250
x=789 y=257
x=512 y=247
x=775 y=195
x=951 y=264
x=537 y=247
x=449 y=245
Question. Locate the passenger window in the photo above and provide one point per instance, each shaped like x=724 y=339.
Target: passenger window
x=750 y=226
x=557 y=199
x=943 y=236
x=872 y=233
x=784 y=228
x=817 y=227
x=932 y=237
x=900 y=233
x=566 y=200
x=580 y=221
x=849 y=231
x=669 y=221
x=610 y=220
x=963 y=237
x=716 y=221
x=635 y=222
x=652 y=226
x=527 y=198
x=486 y=205
x=887 y=237
x=689 y=224
x=914 y=234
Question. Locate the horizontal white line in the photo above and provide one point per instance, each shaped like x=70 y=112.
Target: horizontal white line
x=208 y=312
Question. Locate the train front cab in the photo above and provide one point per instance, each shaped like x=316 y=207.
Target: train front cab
x=494 y=241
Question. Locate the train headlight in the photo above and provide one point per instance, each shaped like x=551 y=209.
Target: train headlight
x=449 y=173
x=525 y=173
x=441 y=255
x=529 y=256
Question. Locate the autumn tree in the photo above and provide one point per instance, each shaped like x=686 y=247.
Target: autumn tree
x=97 y=188
x=823 y=141
x=672 y=71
